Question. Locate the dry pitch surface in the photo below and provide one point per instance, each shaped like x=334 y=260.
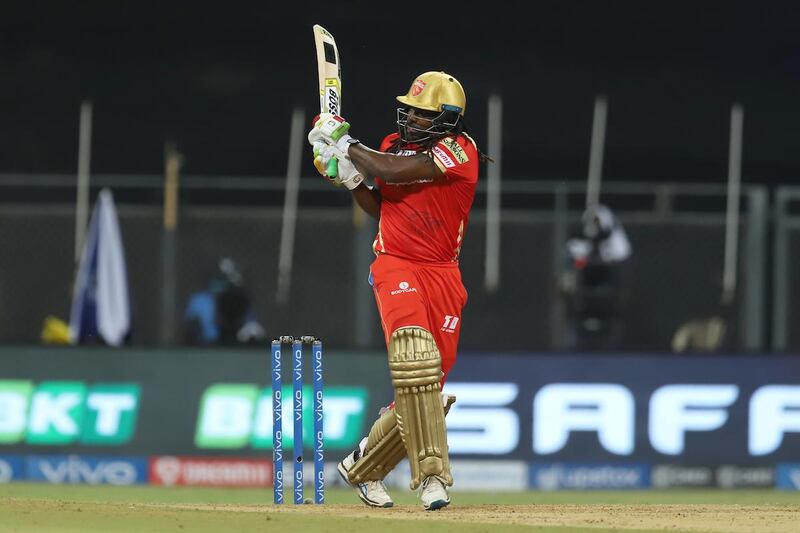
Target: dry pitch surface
x=44 y=508
x=732 y=518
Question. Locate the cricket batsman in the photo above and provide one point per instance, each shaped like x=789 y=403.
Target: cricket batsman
x=424 y=176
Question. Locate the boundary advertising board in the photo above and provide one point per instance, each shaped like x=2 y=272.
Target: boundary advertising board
x=673 y=411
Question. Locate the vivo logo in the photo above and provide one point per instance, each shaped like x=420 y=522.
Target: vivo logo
x=276 y=365
x=75 y=469
x=317 y=365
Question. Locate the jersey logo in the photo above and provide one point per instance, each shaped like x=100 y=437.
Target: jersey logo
x=456 y=150
x=403 y=287
x=442 y=156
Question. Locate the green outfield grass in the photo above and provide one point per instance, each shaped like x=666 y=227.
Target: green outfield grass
x=42 y=508
x=178 y=495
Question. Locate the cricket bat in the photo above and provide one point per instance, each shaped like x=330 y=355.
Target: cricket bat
x=330 y=79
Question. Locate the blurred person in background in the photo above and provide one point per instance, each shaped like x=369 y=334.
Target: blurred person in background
x=222 y=314
x=425 y=176
x=55 y=331
x=595 y=283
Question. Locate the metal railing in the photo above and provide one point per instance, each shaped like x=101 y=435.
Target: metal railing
x=784 y=287
x=544 y=207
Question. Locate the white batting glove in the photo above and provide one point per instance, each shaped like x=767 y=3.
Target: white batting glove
x=325 y=162
x=331 y=129
x=346 y=173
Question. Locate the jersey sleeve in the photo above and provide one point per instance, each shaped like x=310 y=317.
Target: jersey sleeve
x=457 y=158
x=386 y=144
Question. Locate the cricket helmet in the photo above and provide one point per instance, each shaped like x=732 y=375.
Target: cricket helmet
x=439 y=96
x=435 y=91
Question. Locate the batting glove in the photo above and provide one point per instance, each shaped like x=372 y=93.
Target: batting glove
x=327 y=156
x=325 y=162
x=331 y=129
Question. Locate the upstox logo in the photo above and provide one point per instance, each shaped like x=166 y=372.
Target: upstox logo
x=66 y=412
x=237 y=415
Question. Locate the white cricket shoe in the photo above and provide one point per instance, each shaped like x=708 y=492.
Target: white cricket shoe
x=373 y=493
x=434 y=493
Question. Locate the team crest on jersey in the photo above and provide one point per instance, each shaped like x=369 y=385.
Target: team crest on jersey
x=456 y=150
x=417 y=87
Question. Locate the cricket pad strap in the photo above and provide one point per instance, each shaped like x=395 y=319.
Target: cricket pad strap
x=385 y=448
x=416 y=369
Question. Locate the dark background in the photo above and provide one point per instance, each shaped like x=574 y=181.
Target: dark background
x=221 y=79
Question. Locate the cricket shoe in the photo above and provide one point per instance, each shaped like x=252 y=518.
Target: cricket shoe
x=373 y=493
x=434 y=493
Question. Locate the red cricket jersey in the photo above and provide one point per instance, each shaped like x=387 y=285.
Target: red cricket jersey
x=425 y=220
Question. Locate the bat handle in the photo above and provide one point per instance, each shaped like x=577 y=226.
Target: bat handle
x=333 y=168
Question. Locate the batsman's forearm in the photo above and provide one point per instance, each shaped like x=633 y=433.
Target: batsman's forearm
x=389 y=167
x=368 y=199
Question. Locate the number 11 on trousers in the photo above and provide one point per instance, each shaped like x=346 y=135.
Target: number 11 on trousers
x=449 y=323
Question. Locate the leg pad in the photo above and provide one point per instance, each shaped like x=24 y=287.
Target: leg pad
x=416 y=369
x=385 y=448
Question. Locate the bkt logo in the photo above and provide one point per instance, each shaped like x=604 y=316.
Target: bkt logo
x=237 y=415
x=65 y=412
x=483 y=421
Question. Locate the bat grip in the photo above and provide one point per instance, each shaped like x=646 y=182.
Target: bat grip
x=333 y=168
